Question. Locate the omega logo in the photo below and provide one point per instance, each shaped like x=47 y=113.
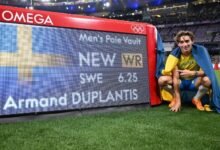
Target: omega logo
x=26 y=18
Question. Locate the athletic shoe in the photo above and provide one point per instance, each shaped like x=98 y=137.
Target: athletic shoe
x=207 y=108
x=198 y=104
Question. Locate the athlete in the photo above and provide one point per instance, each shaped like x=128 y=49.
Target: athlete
x=184 y=73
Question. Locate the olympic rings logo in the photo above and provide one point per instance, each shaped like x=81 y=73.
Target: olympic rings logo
x=138 y=28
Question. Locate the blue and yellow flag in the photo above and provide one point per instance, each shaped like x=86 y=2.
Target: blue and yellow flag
x=203 y=59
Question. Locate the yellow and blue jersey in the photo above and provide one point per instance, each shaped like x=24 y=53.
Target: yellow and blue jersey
x=187 y=63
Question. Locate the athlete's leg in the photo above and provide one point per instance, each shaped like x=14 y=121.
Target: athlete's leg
x=163 y=81
x=165 y=85
x=203 y=84
x=176 y=84
x=206 y=82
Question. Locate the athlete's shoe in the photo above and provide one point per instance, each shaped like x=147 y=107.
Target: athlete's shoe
x=198 y=104
x=207 y=108
x=172 y=103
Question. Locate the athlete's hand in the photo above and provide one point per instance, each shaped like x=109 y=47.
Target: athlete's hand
x=176 y=107
x=186 y=73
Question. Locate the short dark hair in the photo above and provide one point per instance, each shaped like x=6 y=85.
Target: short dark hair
x=184 y=33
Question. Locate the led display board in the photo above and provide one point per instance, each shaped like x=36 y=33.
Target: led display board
x=56 y=62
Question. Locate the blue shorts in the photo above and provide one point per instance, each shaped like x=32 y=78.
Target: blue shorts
x=188 y=84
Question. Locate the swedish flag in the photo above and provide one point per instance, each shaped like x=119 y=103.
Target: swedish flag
x=17 y=50
x=33 y=62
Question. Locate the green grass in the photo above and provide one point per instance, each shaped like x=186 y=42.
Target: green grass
x=154 y=128
x=217 y=72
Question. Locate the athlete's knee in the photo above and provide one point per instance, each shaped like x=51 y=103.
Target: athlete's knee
x=163 y=80
x=206 y=81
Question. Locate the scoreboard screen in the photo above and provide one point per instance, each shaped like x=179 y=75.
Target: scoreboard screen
x=47 y=67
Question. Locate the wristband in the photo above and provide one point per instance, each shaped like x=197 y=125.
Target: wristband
x=196 y=74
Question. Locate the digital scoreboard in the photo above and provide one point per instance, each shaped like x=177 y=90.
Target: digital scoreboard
x=56 y=62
